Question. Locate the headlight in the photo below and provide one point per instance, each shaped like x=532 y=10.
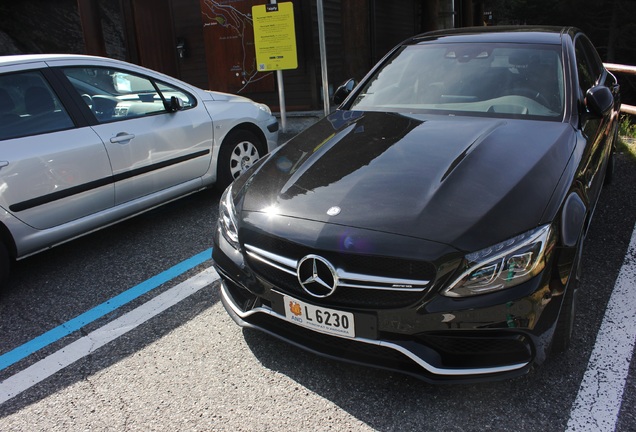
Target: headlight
x=503 y=265
x=227 y=218
x=264 y=107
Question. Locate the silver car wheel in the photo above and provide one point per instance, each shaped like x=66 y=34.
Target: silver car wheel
x=244 y=155
x=240 y=150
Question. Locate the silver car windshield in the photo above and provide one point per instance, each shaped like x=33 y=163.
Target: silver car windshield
x=494 y=80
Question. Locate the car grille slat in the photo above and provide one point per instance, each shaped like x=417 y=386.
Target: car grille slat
x=364 y=281
x=280 y=263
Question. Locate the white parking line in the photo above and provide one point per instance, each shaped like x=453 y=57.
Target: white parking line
x=599 y=399
x=66 y=356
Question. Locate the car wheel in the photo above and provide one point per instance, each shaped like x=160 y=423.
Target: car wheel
x=609 y=173
x=5 y=266
x=565 y=323
x=611 y=163
x=239 y=151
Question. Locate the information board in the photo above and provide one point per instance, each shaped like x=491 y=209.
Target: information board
x=274 y=36
x=229 y=48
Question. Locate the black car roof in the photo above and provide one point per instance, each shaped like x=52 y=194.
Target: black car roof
x=512 y=34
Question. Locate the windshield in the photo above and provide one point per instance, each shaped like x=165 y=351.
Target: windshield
x=494 y=80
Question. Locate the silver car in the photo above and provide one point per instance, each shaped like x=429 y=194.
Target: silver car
x=88 y=141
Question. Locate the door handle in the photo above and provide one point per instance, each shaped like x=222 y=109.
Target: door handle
x=122 y=138
x=4 y=164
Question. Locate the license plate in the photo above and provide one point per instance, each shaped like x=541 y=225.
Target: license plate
x=320 y=319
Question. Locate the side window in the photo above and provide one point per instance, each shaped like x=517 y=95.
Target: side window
x=596 y=64
x=168 y=91
x=115 y=94
x=588 y=63
x=29 y=106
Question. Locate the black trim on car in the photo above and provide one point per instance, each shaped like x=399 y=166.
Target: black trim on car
x=45 y=199
x=272 y=127
x=146 y=169
x=59 y=85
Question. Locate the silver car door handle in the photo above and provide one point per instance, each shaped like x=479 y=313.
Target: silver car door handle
x=122 y=138
x=4 y=164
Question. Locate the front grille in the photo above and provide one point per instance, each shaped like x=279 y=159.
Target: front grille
x=398 y=268
x=364 y=280
x=343 y=297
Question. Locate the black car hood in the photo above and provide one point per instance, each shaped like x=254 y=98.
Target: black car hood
x=468 y=182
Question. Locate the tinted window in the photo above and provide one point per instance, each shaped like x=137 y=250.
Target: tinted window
x=113 y=94
x=28 y=106
x=588 y=63
x=474 y=79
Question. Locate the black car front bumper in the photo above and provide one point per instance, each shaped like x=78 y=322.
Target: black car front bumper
x=439 y=340
x=404 y=356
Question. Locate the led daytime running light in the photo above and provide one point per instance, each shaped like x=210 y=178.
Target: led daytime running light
x=503 y=265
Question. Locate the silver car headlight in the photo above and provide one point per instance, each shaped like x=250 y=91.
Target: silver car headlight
x=264 y=107
x=503 y=265
x=227 y=219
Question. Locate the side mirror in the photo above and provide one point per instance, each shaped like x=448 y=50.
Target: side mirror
x=174 y=104
x=599 y=100
x=343 y=91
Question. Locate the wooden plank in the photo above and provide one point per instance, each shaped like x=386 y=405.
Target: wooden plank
x=188 y=27
x=155 y=39
x=612 y=67
x=91 y=27
x=628 y=109
x=627 y=69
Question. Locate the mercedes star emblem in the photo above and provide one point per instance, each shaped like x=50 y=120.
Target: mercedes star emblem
x=317 y=276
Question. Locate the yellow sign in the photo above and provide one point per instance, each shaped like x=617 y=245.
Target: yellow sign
x=274 y=36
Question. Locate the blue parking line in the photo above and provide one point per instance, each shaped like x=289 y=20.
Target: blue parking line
x=99 y=311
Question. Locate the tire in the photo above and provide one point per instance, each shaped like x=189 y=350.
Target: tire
x=611 y=163
x=565 y=323
x=239 y=151
x=5 y=266
x=609 y=173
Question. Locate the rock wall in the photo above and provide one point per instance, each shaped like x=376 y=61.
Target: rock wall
x=53 y=26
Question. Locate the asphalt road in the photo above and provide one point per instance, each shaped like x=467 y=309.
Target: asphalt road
x=191 y=368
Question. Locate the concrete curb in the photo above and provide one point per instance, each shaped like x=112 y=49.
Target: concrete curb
x=296 y=122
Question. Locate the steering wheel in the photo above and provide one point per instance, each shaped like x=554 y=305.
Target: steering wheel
x=88 y=100
x=531 y=94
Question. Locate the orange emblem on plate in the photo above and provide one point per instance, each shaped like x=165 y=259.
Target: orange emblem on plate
x=295 y=308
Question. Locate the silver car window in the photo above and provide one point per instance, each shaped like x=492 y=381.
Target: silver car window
x=28 y=106
x=114 y=94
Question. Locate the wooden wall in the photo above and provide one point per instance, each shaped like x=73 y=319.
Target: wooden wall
x=188 y=26
x=358 y=33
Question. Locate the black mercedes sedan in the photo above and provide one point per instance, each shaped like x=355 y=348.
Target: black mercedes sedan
x=433 y=224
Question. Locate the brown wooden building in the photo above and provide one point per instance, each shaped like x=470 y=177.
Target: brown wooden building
x=209 y=43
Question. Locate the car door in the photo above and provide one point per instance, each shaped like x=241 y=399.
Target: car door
x=152 y=147
x=53 y=169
